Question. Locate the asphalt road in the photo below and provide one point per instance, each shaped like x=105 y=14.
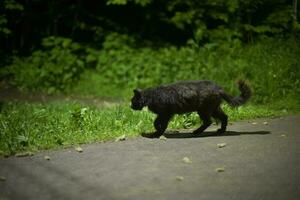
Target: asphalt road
x=259 y=161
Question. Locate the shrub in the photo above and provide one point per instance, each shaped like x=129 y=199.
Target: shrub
x=52 y=70
x=270 y=65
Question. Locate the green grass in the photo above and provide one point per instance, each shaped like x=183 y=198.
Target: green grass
x=34 y=126
x=271 y=66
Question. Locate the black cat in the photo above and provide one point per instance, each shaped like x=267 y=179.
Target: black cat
x=203 y=97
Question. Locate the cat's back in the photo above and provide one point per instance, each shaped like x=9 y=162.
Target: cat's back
x=195 y=85
x=183 y=90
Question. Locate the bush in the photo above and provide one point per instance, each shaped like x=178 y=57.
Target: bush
x=55 y=69
x=270 y=65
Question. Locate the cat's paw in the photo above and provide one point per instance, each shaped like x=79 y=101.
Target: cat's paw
x=221 y=131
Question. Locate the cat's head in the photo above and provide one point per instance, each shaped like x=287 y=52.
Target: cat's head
x=137 y=101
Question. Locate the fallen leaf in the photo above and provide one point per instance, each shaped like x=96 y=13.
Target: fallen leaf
x=220 y=169
x=254 y=123
x=47 y=158
x=265 y=123
x=121 y=138
x=2 y=178
x=179 y=178
x=162 y=137
x=283 y=135
x=186 y=160
x=79 y=149
x=221 y=145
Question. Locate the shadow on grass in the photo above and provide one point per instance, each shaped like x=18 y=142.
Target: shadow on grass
x=176 y=134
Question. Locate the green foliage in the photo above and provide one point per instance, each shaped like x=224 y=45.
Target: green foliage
x=53 y=70
x=79 y=116
x=226 y=20
x=23 y=24
x=270 y=66
x=117 y=2
x=9 y=6
x=124 y=2
x=122 y=66
x=273 y=68
x=12 y=5
x=3 y=23
x=31 y=127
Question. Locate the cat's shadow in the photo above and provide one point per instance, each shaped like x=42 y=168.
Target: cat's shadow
x=188 y=134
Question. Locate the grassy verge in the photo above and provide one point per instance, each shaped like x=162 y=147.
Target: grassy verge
x=31 y=127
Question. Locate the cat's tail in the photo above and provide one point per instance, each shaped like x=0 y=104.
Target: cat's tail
x=239 y=100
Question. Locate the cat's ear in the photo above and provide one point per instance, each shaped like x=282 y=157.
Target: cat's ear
x=137 y=92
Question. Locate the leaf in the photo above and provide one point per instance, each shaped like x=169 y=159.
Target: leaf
x=179 y=178
x=79 y=149
x=3 y=19
x=91 y=58
x=83 y=111
x=219 y=15
x=66 y=42
x=220 y=169
x=2 y=178
x=5 y=31
x=12 y=5
x=261 y=29
x=221 y=145
x=283 y=135
x=143 y=2
x=186 y=160
x=116 y=2
x=162 y=137
x=47 y=158
x=181 y=19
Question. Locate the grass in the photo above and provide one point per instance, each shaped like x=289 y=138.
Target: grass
x=30 y=127
x=270 y=65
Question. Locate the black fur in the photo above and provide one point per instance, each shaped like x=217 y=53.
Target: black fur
x=203 y=97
